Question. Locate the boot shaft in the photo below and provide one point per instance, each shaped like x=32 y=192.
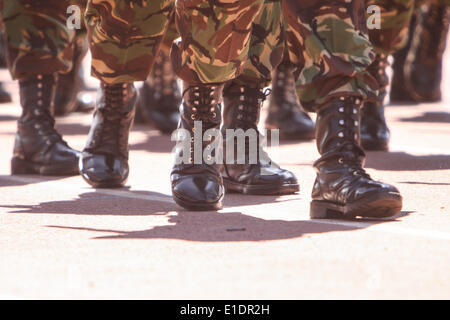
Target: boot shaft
x=37 y=96
x=338 y=125
x=113 y=119
x=242 y=106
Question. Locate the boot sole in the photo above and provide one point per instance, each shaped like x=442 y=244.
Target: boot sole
x=382 y=205
x=232 y=186
x=198 y=206
x=107 y=184
x=20 y=166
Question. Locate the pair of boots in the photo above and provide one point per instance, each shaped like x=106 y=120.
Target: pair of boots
x=342 y=187
x=104 y=161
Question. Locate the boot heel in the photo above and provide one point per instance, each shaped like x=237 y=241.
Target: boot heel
x=19 y=166
x=318 y=210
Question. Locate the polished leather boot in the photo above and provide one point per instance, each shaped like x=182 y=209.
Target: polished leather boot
x=285 y=112
x=39 y=148
x=424 y=64
x=68 y=98
x=196 y=181
x=342 y=188
x=104 y=161
x=160 y=97
x=375 y=134
x=250 y=173
x=399 y=93
x=5 y=96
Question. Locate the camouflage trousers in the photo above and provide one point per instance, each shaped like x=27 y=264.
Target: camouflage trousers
x=36 y=37
x=326 y=41
x=222 y=40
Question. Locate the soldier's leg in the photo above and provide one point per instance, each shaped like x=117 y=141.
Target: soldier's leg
x=213 y=49
x=160 y=95
x=388 y=38
x=243 y=99
x=124 y=37
x=423 y=66
x=332 y=40
x=38 y=47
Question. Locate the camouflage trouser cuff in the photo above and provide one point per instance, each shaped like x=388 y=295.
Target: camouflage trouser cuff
x=313 y=96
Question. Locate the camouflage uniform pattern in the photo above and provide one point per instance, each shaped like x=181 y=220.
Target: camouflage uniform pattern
x=36 y=37
x=307 y=37
x=215 y=38
x=125 y=36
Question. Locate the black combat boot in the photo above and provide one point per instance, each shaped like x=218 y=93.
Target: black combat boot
x=252 y=171
x=39 y=148
x=424 y=64
x=375 y=134
x=160 y=97
x=104 y=161
x=399 y=93
x=196 y=181
x=5 y=96
x=285 y=112
x=67 y=94
x=342 y=188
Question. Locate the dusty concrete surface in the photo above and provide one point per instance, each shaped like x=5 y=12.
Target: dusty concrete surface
x=59 y=238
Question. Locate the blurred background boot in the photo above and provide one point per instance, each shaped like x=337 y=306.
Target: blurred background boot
x=160 y=97
x=423 y=67
x=399 y=94
x=375 y=134
x=285 y=112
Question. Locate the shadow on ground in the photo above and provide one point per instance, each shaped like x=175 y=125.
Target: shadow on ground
x=226 y=227
x=401 y=161
x=441 y=117
x=18 y=180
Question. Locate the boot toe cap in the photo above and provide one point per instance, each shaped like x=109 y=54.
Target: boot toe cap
x=103 y=170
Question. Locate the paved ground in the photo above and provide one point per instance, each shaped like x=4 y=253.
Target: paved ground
x=59 y=238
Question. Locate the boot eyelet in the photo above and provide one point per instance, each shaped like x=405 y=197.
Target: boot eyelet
x=214 y=114
x=355 y=111
x=193 y=116
x=341 y=134
x=356 y=123
x=341 y=122
x=341 y=109
x=341 y=160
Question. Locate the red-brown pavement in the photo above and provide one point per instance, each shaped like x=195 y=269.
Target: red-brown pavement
x=59 y=238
